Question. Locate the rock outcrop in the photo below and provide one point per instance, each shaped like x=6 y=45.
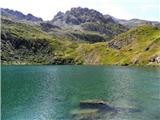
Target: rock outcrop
x=77 y=16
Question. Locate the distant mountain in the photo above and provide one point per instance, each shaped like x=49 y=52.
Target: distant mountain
x=16 y=15
x=137 y=22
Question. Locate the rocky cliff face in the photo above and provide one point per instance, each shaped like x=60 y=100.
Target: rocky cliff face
x=77 y=16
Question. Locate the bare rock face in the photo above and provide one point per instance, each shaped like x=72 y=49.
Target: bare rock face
x=59 y=15
x=77 y=16
x=31 y=17
x=121 y=42
x=47 y=26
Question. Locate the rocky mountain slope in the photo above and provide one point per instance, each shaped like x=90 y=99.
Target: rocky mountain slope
x=78 y=39
x=81 y=23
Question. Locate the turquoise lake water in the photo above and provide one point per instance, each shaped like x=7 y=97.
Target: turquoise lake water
x=53 y=92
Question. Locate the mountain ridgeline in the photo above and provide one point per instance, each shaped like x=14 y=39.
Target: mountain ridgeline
x=78 y=36
x=16 y=15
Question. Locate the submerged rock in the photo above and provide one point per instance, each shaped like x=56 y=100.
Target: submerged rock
x=99 y=110
x=92 y=110
x=95 y=104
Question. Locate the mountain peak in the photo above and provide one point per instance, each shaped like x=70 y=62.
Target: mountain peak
x=79 y=15
x=59 y=15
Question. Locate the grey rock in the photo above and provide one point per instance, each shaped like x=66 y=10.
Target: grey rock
x=77 y=16
x=47 y=26
x=155 y=59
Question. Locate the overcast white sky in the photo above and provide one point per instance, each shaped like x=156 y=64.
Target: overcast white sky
x=124 y=9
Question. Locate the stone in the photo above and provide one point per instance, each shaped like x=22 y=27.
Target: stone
x=157 y=59
x=95 y=104
x=99 y=110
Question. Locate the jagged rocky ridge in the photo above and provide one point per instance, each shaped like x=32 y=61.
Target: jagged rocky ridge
x=77 y=16
x=16 y=15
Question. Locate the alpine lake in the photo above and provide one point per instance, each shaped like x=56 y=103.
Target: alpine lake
x=54 y=92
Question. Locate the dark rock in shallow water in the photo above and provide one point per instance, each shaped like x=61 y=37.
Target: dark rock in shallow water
x=101 y=105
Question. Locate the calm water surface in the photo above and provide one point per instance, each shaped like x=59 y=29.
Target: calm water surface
x=52 y=92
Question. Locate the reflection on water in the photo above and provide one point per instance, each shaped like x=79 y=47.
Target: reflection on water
x=52 y=92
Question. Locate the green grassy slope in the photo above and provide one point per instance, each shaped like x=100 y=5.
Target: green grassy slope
x=26 y=44
x=139 y=46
